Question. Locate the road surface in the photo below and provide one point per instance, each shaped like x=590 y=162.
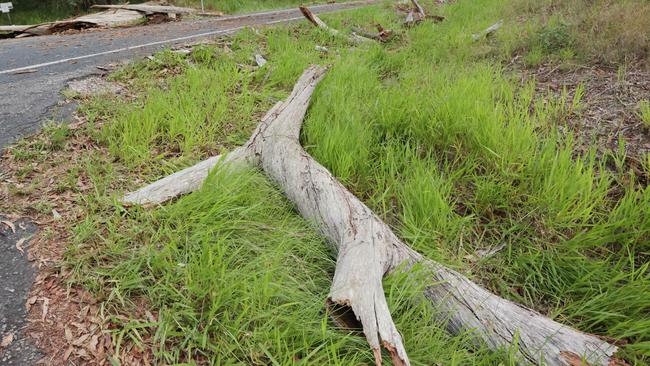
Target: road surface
x=33 y=71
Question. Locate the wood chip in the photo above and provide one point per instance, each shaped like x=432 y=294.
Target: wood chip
x=6 y=340
x=92 y=344
x=68 y=335
x=67 y=353
x=485 y=253
x=79 y=341
x=259 y=60
x=10 y=225
x=46 y=307
x=31 y=301
x=19 y=245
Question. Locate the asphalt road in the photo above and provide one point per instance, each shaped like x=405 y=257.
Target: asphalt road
x=16 y=276
x=33 y=71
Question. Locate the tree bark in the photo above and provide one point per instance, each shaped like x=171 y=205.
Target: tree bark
x=368 y=250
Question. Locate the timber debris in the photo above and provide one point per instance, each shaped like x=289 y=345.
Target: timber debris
x=316 y=21
x=382 y=35
x=487 y=31
x=114 y=16
x=416 y=14
x=368 y=250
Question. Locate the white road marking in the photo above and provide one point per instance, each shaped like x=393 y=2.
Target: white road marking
x=117 y=50
x=29 y=68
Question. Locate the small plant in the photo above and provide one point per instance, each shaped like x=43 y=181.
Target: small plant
x=644 y=113
x=59 y=137
x=620 y=73
x=535 y=57
x=554 y=37
x=576 y=103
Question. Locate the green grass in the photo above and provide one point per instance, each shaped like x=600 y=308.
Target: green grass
x=606 y=31
x=430 y=131
x=644 y=112
x=236 y=277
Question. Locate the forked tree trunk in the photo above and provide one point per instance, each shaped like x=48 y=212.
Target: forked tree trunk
x=368 y=250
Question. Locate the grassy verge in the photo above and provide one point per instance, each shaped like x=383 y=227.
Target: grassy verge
x=429 y=130
x=605 y=31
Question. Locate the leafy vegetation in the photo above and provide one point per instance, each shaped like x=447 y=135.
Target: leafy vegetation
x=430 y=131
x=609 y=31
x=39 y=11
x=644 y=112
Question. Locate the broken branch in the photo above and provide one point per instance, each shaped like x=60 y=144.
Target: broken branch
x=383 y=35
x=316 y=21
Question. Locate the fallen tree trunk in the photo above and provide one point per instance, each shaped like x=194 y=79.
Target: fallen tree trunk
x=149 y=9
x=368 y=250
x=112 y=18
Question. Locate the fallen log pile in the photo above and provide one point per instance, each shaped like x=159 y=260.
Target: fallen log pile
x=368 y=250
x=357 y=36
x=114 y=16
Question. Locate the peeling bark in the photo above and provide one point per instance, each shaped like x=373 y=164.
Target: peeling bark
x=368 y=250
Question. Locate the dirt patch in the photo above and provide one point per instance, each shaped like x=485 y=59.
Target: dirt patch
x=63 y=322
x=609 y=108
x=94 y=85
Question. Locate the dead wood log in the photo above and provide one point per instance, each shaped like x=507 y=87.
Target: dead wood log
x=149 y=9
x=315 y=20
x=368 y=250
x=46 y=28
x=419 y=9
x=487 y=31
x=382 y=35
x=415 y=15
x=112 y=18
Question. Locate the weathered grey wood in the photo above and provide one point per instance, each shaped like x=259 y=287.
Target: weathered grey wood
x=190 y=179
x=368 y=250
x=383 y=35
x=112 y=18
x=419 y=8
x=487 y=31
x=149 y=9
x=14 y=28
x=184 y=181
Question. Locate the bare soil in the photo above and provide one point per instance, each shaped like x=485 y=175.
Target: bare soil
x=609 y=112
